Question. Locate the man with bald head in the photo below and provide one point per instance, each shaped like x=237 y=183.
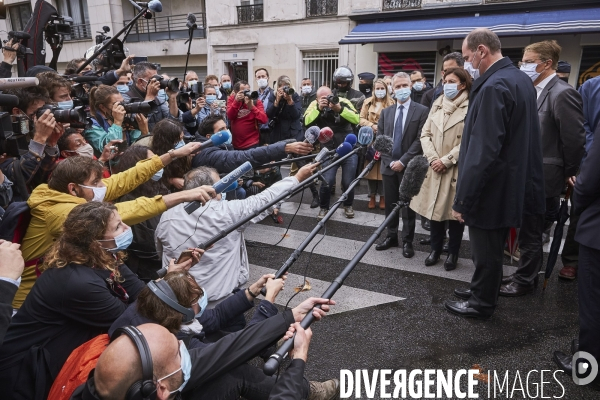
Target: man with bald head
x=500 y=178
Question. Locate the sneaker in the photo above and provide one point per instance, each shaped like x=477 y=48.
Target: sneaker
x=349 y=212
x=327 y=390
x=322 y=213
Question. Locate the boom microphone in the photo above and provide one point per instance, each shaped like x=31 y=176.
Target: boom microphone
x=383 y=144
x=83 y=79
x=413 y=179
x=223 y=184
x=325 y=135
x=216 y=140
x=365 y=135
x=154 y=5
x=191 y=21
x=16 y=83
x=312 y=134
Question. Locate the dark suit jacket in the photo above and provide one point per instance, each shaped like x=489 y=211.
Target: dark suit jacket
x=432 y=94
x=411 y=142
x=7 y=293
x=560 y=110
x=587 y=197
x=501 y=171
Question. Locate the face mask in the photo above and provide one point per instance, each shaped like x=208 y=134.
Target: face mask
x=529 y=69
x=210 y=98
x=418 y=86
x=99 y=192
x=402 y=94
x=226 y=85
x=85 y=151
x=223 y=196
x=123 y=88
x=471 y=70
x=65 y=105
x=380 y=94
x=451 y=90
x=186 y=368
x=179 y=144
x=192 y=82
x=123 y=240
x=156 y=177
x=162 y=95
x=306 y=89
x=262 y=83
x=203 y=301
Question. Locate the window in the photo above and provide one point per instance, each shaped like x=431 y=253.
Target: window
x=424 y=61
x=19 y=16
x=317 y=8
x=319 y=67
x=249 y=12
x=78 y=10
x=400 y=4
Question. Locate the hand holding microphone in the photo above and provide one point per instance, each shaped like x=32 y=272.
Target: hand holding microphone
x=300 y=148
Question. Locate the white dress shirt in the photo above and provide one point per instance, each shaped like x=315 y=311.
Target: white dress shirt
x=540 y=86
x=404 y=114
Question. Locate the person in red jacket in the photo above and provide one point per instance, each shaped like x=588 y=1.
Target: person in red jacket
x=245 y=116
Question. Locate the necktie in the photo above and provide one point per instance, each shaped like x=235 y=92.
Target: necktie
x=398 y=129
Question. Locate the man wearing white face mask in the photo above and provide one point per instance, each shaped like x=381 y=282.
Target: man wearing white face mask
x=308 y=94
x=500 y=179
x=264 y=92
x=419 y=86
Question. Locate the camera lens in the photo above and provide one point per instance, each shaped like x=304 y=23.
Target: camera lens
x=142 y=107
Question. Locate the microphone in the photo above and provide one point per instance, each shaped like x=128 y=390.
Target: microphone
x=82 y=79
x=321 y=156
x=15 y=83
x=223 y=184
x=191 y=21
x=312 y=134
x=350 y=138
x=342 y=150
x=325 y=135
x=377 y=156
x=365 y=135
x=216 y=140
x=231 y=187
x=413 y=179
x=383 y=144
x=153 y=5
x=19 y=35
x=9 y=100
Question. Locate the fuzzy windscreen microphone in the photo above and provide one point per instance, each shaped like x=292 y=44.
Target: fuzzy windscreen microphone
x=383 y=144
x=414 y=176
x=312 y=134
x=365 y=135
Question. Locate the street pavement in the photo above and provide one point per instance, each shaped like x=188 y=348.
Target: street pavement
x=390 y=312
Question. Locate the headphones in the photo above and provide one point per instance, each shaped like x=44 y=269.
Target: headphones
x=165 y=293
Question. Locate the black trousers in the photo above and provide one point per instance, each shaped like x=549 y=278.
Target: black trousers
x=589 y=300
x=391 y=187
x=487 y=246
x=531 y=246
x=438 y=232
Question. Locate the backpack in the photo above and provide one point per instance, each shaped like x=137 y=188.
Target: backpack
x=76 y=369
x=15 y=222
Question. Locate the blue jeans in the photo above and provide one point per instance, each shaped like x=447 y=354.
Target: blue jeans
x=349 y=166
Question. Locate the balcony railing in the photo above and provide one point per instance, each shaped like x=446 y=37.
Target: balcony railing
x=400 y=4
x=166 y=27
x=250 y=14
x=79 y=32
x=318 y=8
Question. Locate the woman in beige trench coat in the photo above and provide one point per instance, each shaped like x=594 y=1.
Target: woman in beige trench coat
x=440 y=139
x=369 y=116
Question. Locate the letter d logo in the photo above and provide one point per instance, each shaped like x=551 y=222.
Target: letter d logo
x=587 y=363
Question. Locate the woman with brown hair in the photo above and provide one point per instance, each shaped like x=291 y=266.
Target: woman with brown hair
x=369 y=116
x=440 y=137
x=167 y=134
x=84 y=288
x=108 y=116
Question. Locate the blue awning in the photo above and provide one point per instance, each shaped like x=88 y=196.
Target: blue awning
x=513 y=24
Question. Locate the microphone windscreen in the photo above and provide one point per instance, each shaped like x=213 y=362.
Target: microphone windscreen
x=191 y=18
x=322 y=154
x=312 y=134
x=325 y=135
x=383 y=144
x=233 y=176
x=413 y=179
x=231 y=187
x=350 y=138
x=343 y=149
x=9 y=101
x=220 y=137
x=15 y=83
x=365 y=135
x=155 y=6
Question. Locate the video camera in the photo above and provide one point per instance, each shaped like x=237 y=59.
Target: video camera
x=58 y=26
x=76 y=115
x=17 y=37
x=13 y=143
x=252 y=95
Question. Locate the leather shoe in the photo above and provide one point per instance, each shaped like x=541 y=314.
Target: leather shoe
x=507 y=279
x=451 y=262
x=515 y=290
x=433 y=258
x=445 y=248
x=564 y=362
x=425 y=242
x=464 y=294
x=574 y=346
x=425 y=224
x=390 y=241
x=461 y=308
x=407 y=250
x=568 y=272
x=315 y=201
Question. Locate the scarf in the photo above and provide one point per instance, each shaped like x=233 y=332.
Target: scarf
x=449 y=106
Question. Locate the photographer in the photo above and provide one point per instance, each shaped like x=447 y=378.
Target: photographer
x=74 y=64
x=205 y=106
x=9 y=58
x=225 y=86
x=72 y=144
x=145 y=88
x=108 y=115
x=59 y=89
x=212 y=80
x=284 y=112
x=340 y=115
x=245 y=116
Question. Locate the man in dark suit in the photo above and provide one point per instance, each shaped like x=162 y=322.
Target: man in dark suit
x=403 y=123
x=501 y=174
x=11 y=268
x=560 y=111
x=451 y=60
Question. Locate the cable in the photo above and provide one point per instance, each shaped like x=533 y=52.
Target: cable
x=195 y=227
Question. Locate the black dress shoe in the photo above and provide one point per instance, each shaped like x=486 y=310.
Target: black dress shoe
x=433 y=258
x=462 y=309
x=464 y=294
x=451 y=262
x=445 y=248
x=507 y=279
x=425 y=242
x=387 y=243
x=564 y=362
x=425 y=224
x=515 y=290
x=315 y=202
x=407 y=250
x=574 y=346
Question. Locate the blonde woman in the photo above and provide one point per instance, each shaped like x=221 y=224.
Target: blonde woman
x=369 y=116
x=440 y=138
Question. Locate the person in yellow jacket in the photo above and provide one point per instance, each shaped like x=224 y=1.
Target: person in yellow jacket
x=77 y=180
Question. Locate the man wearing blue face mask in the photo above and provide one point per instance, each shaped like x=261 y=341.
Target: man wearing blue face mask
x=205 y=106
x=402 y=122
x=226 y=86
x=419 y=86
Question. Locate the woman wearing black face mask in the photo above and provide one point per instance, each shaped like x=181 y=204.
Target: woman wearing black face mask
x=84 y=288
